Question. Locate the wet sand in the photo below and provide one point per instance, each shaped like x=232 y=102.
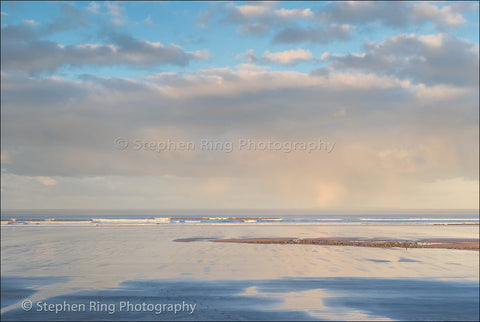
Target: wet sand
x=284 y=299
x=444 y=243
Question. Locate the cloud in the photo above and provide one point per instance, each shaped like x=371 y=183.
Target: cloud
x=4 y=157
x=446 y=193
x=23 y=31
x=295 y=35
x=261 y=17
x=288 y=57
x=253 y=10
x=253 y=28
x=333 y=21
x=206 y=16
x=395 y=14
x=402 y=108
x=245 y=12
x=49 y=91
x=30 y=22
x=70 y=17
x=116 y=12
x=42 y=55
x=294 y=13
x=400 y=137
x=46 y=181
x=93 y=7
x=248 y=55
x=114 y=9
x=148 y=20
x=229 y=99
x=446 y=16
x=392 y=13
x=430 y=59
x=25 y=46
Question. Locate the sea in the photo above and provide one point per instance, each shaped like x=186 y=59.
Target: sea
x=71 y=265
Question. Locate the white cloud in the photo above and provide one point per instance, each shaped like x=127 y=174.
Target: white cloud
x=325 y=55
x=435 y=41
x=288 y=57
x=294 y=13
x=250 y=11
x=261 y=17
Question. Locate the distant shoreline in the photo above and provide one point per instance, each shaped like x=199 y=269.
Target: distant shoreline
x=442 y=243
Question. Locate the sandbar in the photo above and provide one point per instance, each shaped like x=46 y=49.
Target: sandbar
x=444 y=243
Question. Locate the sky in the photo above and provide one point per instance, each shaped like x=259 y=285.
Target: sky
x=228 y=105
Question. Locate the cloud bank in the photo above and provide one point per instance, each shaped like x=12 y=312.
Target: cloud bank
x=401 y=107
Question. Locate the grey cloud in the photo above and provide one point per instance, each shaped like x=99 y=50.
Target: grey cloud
x=42 y=55
x=294 y=35
x=395 y=13
x=433 y=59
x=18 y=90
x=72 y=133
x=114 y=84
x=391 y=13
x=261 y=18
x=324 y=71
x=32 y=56
x=205 y=16
x=398 y=140
x=23 y=31
x=253 y=28
x=248 y=56
x=70 y=17
x=137 y=51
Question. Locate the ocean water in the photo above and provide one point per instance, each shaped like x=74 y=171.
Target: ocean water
x=110 y=265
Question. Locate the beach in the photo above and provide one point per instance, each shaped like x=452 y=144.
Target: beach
x=237 y=270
